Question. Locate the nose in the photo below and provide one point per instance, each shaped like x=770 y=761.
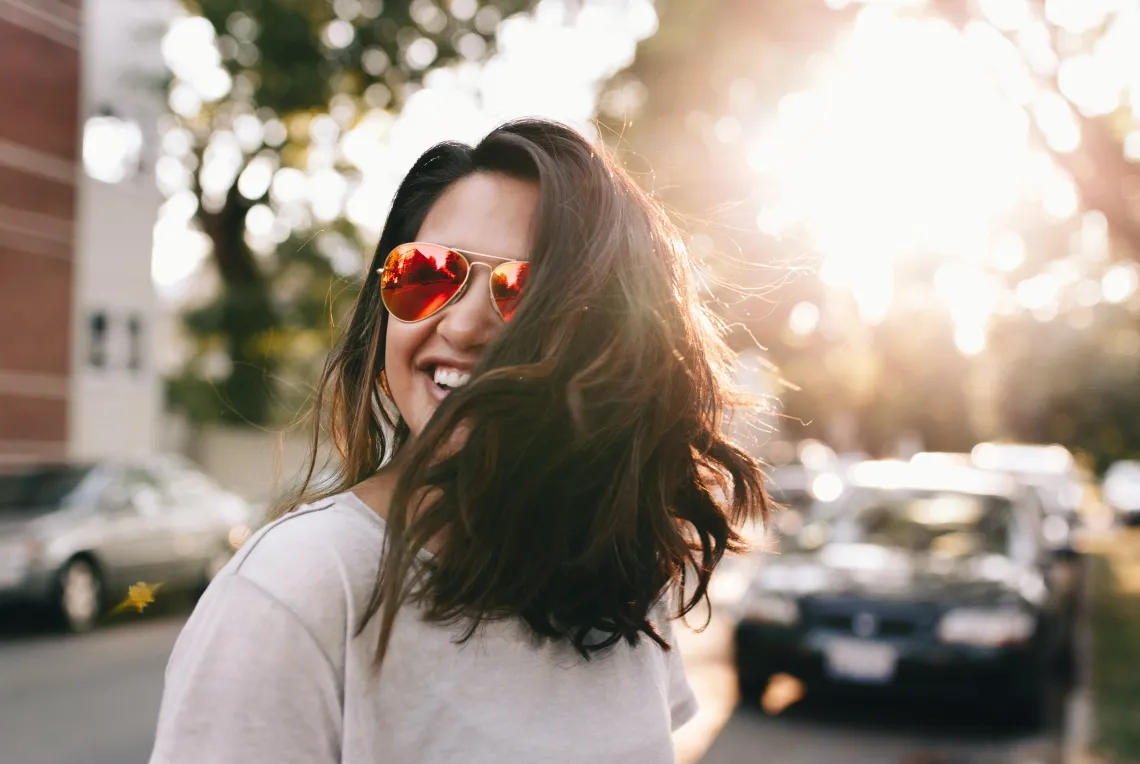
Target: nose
x=471 y=322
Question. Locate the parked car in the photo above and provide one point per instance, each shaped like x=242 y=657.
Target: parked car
x=1066 y=493
x=797 y=494
x=74 y=537
x=1122 y=490
x=931 y=581
x=1068 y=488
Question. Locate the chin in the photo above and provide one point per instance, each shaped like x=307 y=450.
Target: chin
x=421 y=415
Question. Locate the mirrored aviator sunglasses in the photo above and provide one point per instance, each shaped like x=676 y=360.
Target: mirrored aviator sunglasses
x=419 y=280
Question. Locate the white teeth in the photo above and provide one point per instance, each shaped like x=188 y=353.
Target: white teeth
x=445 y=377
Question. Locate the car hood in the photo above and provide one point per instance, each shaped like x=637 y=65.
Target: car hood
x=17 y=522
x=876 y=572
x=41 y=523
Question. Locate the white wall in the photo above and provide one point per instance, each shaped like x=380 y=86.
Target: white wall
x=115 y=409
x=256 y=464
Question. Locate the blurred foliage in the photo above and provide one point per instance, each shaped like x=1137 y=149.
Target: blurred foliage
x=1072 y=378
x=1073 y=385
x=281 y=331
x=291 y=61
x=1115 y=627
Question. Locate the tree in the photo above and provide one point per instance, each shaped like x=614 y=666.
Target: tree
x=262 y=87
x=684 y=114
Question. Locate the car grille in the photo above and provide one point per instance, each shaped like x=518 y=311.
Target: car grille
x=887 y=627
x=890 y=620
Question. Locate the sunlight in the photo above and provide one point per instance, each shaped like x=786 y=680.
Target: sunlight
x=905 y=147
x=971 y=297
x=1120 y=282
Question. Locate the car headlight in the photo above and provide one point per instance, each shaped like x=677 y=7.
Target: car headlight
x=764 y=607
x=986 y=627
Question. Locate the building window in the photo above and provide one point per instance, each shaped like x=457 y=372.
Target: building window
x=135 y=338
x=97 y=331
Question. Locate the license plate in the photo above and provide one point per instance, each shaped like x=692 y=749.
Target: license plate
x=857 y=660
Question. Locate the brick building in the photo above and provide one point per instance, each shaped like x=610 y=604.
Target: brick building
x=40 y=42
x=77 y=307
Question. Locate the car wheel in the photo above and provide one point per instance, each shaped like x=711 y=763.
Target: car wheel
x=79 y=595
x=1064 y=662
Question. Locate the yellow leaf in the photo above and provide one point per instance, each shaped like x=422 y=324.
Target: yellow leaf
x=138 y=597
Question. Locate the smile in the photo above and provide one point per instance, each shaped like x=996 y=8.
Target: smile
x=447 y=378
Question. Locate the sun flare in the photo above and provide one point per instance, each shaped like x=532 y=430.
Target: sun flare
x=911 y=143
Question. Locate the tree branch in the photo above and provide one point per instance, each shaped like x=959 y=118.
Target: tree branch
x=1097 y=166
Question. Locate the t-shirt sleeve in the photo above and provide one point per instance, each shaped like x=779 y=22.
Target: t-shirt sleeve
x=682 y=701
x=247 y=681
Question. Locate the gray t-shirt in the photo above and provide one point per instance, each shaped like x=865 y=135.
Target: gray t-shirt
x=268 y=669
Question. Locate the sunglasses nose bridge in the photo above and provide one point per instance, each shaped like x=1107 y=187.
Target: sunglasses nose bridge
x=469 y=277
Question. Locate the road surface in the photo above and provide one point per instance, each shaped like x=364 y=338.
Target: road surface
x=84 y=699
x=93 y=699
x=862 y=730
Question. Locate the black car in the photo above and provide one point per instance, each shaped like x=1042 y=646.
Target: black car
x=928 y=581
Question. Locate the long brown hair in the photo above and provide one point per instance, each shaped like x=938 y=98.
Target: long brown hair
x=594 y=471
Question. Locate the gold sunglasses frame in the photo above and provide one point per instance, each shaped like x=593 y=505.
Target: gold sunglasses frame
x=467 y=255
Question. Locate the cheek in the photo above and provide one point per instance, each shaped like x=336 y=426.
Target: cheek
x=401 y=342
x=398 y=351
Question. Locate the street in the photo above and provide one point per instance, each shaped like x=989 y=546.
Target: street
x=93 y=699
x=83 y=699
x=819 y=730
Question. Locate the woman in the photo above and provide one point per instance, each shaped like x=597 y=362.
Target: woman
x=527 y=405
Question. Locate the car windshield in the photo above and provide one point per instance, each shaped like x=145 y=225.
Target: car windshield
x=39 y=488
x=953 y=523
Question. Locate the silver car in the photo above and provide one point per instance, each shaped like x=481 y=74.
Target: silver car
x=75 y=537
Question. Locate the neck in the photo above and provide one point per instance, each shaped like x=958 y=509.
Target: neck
x=377 y=493
x=377 y=490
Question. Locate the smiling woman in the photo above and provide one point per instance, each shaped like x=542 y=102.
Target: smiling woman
x=527 y=406
x=483 y=212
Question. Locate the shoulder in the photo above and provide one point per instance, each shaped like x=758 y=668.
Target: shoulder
x=319 y=561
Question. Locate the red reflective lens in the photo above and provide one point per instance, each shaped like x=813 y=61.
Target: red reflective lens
x=507 y=283
x=419 y=279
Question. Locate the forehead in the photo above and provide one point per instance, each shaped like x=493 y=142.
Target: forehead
x=487 y=213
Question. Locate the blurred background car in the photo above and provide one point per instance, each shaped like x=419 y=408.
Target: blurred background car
x=927 y=580
x=1066 y=490
x=803 y=480
x=74 y=537
x=1121 y=490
